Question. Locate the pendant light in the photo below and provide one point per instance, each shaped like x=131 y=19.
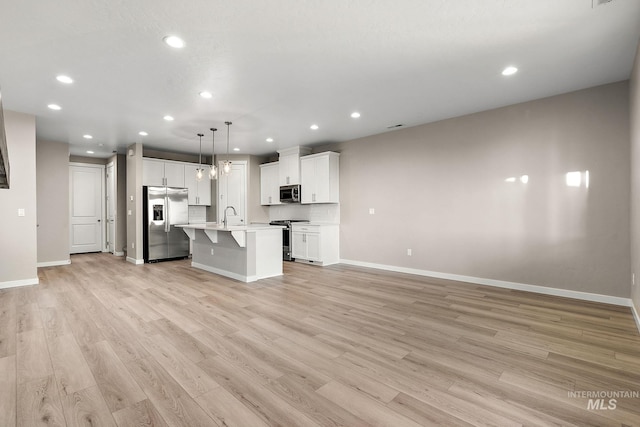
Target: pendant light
x=226 y=166
x=200 y=171
x=213 y=171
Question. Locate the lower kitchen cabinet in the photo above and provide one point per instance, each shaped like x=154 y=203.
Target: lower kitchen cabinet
x=316 y=243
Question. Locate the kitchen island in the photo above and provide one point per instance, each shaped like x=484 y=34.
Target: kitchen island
x=242 y=252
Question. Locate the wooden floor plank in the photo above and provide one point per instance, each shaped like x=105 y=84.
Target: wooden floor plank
x=70 y=367
x=114 y=380
x=8 y=391
x=86 y=408
x=39 y=403
x=106 y=342
x=32 y=356
x=140 y=414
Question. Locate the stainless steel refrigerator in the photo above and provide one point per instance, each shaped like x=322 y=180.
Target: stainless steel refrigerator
x=163 y=208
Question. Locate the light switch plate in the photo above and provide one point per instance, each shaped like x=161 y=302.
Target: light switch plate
x=21 y=212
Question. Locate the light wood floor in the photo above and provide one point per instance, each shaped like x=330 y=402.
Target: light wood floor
x=102 y=342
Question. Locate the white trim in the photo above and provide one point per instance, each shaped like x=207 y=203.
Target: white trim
x=236 y=276
x=103 y=183
x=17 y=283
x=586 y=296
x=225 y=273
x=54 y=263
x=636 y=316
x=135 y=261
x=119 y=253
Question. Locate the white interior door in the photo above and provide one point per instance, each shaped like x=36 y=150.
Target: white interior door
x=86 y=191
x=232 y=191
x=111 y=208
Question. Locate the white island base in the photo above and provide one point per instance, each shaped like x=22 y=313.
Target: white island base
x=245 y=253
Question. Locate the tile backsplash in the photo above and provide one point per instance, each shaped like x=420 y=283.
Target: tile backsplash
x=314 y=213
x=197 y=214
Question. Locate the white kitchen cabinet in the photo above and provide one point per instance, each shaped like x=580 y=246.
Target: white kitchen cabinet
x=269 y=184
x=289 y=165
x=162 y=172
x=199 y=191
x=174 y=174
x=320 y=178
x=152 y=172
x=315 y=243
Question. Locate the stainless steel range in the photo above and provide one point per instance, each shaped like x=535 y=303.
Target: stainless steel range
x=286 y=236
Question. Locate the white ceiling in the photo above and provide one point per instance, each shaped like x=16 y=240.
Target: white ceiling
x=276 y=67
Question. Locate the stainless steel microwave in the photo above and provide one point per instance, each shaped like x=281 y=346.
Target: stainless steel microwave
x=290 y=194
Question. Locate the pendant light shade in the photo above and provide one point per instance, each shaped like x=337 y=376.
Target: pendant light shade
x=200 y=171
x=213 y=171
x=226 y=166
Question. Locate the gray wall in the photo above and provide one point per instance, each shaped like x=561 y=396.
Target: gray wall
x=440 y=190
x=134 y=203
x=635 y=178
x=52 y=162
x=18 y=250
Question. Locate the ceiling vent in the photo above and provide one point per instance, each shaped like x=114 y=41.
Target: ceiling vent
x=596 y=3
x=395 y=126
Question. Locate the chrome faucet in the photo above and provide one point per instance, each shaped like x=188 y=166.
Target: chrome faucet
x=225 y=214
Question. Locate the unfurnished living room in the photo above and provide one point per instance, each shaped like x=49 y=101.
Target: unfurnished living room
x=291 y=213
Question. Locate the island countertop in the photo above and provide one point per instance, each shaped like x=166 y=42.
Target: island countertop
x=220 y=227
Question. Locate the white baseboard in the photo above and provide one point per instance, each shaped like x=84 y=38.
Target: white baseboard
x=135 y=261
x=225 y=273
x=119 y=253
x=54 y=263
x=636 y=316
x=16 y=283
x=586 y=296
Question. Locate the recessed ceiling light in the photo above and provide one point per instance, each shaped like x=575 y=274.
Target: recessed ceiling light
x=205 y=94
x=64 y=79
x=142 y=133
x=236 y=149
x=174 y=41
x=54 y=107
x=89 y=152
x=355 y=115
x=168 y=118
x=510 y=70
x=314 y=127
x=87 y=136
x=269 y=140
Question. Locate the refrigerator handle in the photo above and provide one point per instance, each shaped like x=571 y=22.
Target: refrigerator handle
x=167 y=226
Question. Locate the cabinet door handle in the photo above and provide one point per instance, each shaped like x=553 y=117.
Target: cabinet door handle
x=269 y=199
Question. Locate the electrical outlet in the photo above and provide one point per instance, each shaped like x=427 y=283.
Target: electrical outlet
x=211 y=251
x=21 y=212
x=129 y=212
x=409 y=252
x=133 y=245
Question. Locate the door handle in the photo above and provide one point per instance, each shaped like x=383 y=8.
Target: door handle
x=166 y=217
x=99 y=220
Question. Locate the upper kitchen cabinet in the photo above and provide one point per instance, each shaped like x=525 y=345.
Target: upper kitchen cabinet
x=289 y=165
x=199 y=191
x=269 y=184
x=162 y=172
x=320 y=178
